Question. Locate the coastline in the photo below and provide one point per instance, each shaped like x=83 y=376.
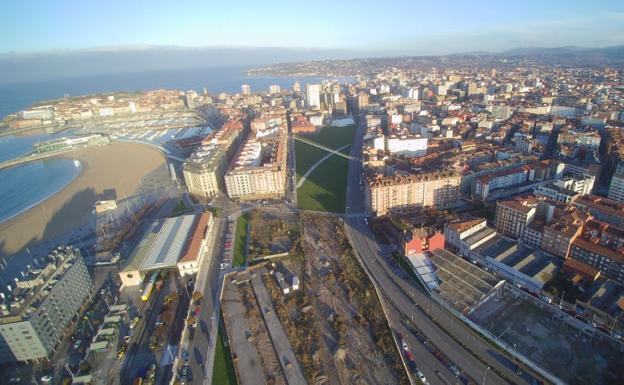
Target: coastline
x=109 y=170
x=43 y=199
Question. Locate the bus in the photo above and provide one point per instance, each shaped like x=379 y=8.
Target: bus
x=147 y=291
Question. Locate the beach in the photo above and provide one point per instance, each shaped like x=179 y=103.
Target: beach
x=109 y=172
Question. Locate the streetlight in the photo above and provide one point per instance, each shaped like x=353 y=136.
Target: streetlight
x=485 y=374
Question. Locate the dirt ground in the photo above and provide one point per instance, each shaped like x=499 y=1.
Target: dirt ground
x=345 y=334
x=333 y=322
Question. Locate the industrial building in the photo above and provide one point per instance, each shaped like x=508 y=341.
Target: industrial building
x=37 y=309
x=164 y=245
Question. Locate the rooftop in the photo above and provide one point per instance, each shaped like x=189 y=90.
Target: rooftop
x=34 y=284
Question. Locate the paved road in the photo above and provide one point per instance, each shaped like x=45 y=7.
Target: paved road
x=403 y=293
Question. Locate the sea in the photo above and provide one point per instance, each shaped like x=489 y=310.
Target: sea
x=25 y=186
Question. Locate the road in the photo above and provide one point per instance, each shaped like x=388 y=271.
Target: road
x=411 y=303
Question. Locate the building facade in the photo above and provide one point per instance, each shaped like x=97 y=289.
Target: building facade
x=42 y=305
x=513 y=216
x=386 y=195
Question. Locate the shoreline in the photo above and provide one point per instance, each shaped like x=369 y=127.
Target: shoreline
x=111 y=171
x=45 y=198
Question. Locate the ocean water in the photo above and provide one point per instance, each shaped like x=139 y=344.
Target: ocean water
x=27 y=185
x=24 y=186
x=15 y=97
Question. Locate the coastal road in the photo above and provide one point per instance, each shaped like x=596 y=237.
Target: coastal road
x=410 y=302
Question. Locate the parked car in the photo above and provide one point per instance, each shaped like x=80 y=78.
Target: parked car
x=185 y=374
x=77 y=344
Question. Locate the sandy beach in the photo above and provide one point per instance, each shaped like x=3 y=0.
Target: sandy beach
x=110 y=170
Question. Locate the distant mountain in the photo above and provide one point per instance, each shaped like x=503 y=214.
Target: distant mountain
x=16 y=67
x=604 y=53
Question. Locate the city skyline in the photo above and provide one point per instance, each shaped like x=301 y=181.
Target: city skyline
x=457 y=27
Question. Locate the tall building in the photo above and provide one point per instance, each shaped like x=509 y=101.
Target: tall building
x=513 y=216
x=38 y=307
x=390 y=194
x=259 y=170
x=203 y=170
x=616 y=188
x=246 y=89
x=297 y=86
x=313 y=95
x=274 y=89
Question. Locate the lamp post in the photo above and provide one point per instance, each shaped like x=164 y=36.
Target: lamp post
x=485 y=374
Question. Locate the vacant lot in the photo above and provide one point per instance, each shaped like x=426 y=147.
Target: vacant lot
x=270 y=233
x=556 y=346
x=334 y=321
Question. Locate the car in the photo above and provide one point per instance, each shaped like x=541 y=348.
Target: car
x=77 y=344
x=185 y=374
x=421 y=376
x=46 y=379
x=404 y=345
x=455 y=370
x=14 y=380
x=185 y=355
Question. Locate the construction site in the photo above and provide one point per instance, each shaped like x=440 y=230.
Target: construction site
x=311 y=317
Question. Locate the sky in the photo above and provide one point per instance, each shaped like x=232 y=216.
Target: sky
x=388 y=26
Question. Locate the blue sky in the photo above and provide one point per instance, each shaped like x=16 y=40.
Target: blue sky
x=408 y=26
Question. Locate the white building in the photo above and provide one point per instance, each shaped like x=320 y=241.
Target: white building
x=313 y=95
x=407 y=146
x=246 y=89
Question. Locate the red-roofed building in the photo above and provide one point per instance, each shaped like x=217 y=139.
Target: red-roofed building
x=423 y=242
x=300 y=124
x=191 y=260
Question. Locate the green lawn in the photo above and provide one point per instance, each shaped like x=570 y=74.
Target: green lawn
x=223 y=370
x=240 y=255
x=332 y=137
x=325 y=188
x=306 y=156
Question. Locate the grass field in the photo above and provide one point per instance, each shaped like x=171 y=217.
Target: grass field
x=332 y=137
x=240 y=255
x=325 y=188
x=223 y=370
x=307 y=155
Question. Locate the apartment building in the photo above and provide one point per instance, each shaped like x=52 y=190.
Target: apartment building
x=603 y=209
x=616 y=187
x=203 y=171
x=258 y=170
x=600 y=245
x=391 y=194
x=40 y=305
x=514 y=215
x=558 y=235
